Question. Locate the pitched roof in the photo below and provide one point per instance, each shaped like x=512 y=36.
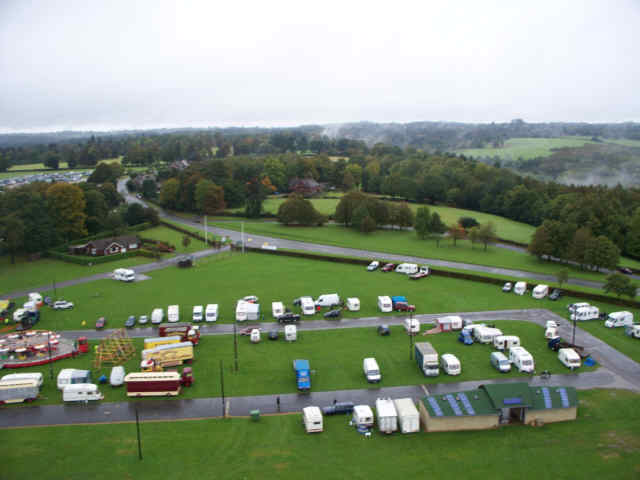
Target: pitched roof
x=459 y=404
x=124 y=240
x=508 y=395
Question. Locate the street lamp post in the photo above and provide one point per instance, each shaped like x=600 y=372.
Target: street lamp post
x=49 y=350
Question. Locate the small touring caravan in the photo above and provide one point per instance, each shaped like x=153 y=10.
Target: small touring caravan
x=81 y=392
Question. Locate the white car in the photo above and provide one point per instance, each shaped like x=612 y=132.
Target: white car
x=250 y=299
x=62 y=305
x=143 y=319
x=373 y=266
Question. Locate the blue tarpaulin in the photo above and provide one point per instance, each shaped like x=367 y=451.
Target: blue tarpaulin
x=589 y=362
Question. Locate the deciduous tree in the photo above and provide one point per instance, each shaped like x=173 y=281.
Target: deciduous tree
x=67 y=208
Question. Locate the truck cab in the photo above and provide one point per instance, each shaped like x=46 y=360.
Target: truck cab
x=303 y=375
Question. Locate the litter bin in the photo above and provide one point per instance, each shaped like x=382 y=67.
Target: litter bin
x=255 y=415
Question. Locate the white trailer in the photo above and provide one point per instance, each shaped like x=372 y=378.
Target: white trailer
x=362 y=416
x=17 y=391
x=353 y=304
x=312 y=419
x=412 y=326
x=486 y=334
x=384 y=304
x=13 y=377
x=307 y=305
x=81 y=392
x=585 y=313
x=290 y=333
x=569 y=358
x=540 y=291
x=124 y=274
x=277 y=309
x=69 y=376
x=505 y=342
x=387 y=415
x=408 y=415
x=520 y=288
x=619 y=319
x=521 y=359
x=407 y=268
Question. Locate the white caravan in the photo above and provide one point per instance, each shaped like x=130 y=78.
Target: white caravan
x=290 y=333
x=277 y=309
x=371 y=370
x=619 y=319
x=569 y=358
x=124 y=274
x=14 y=377
x=81 y=392
x=486 y=334
x=353 y=304
x=307 y=305
x=585 y=313
x=407 y=268
x=173 y=313
x=521 y=359
x=211 y=312
x=157 y=316
x=412 y=326
x=387 y=415
x=505 y=342
x=384 y=304
x=450 y=364
x=551 y=332
x=69 y=376
x=362 y=416
x=312 y=419
x=198 y=312
x=540 y=291
x=520 y=288
x=255 y=336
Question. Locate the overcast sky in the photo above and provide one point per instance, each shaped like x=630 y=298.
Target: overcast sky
x=140 y=64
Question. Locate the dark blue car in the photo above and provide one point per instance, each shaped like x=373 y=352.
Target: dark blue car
x=465 y=337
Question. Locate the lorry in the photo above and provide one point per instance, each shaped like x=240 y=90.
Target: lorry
x=540 y=291
x=408 y=415
x=328 y=300
x=582 y=314
x=81 y=392
x=124 y=274
x=633 y=331
x=70 y=376
x=148 y=384
x=521 y=359
x=407 y=268
x=619 y=319
x=387 y=415
x=384 y=304
x=173 y=313
x=505 y=342
x=307 y=306
x=520 y=288
x=211 y=312
x=17 y=391
x=569 y=358
x=303 y=375
x=184 y=330
x=371 y=370
x=169 y=355
x=353 y=304
x=312 y=419
x=427 y=359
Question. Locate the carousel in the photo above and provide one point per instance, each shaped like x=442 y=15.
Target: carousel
x=35 y=347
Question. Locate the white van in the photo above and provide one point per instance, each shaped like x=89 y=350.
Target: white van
x=619 y=319
x=520 y=288
x=353 y=304
x=307 y=306
x=585 y=313
x=362 y=416
x=81 y=392
x=505 y=342
x=173 y=313
x=124 y=274
x=312 y=419
x=540 y=291
x=290 y=333
x=198 y=311
x=328 y=300
x=569 y=358
x=450 y=364
x=412 y=326
x=371 y=370
x=500 y=362
x=407 y=268
x=157 y=316
x=211 y=312
x=277 y=309
x=12 y=377
x=521 y=359
x=384 y=304
x=486 y=334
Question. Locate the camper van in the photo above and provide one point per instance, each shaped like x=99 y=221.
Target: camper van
x=384 y=304
x=277 y=309
x=362 y=416
x=619 y=319
x=412 y=326
x=633 y=331
x=70 y=376
x=450 y=364
x=486 y=334
x=520 y=288
x=198 y=312
x=81 y=392
x=540 y=291
x=312 y=419
x=371 y=370
x=157 y=316
x=307 y=306
x=521 y=359
x=13 y=377
x=328 y=300
x=585 y=313
x=173 y=313
x=124 y=274
x=569 y=358
x=211 y=312
x=353 y=304
x=290 y=333
x=500 y=362
x=505 y=342
x=574 y=306
x=407 y=268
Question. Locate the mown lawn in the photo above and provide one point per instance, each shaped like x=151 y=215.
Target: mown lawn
x=526 y=148
x=174 y=238
x=602 y=443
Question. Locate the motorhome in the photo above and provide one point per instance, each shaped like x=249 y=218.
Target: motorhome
x=371 y=370
x=450 y=364
x=619 y=319
x=407 y=268
x=585 y=313
x=521 y=359
x=633 y=331
x=312 y=419
x=540 y=291
x=13 y=377
x=486 y=334
x=69 y=376
x=277 y=309
x=211 y=312
x=569 y=358
x=353 y=304
x=412 y=326
x=198 y=312
x=307 y=305
x=387 y=415
x=173 y=313
x=500 y=362
x=362 y=416
x=328 y=300
x=81 y=392
x=520 y=288
x=505 y=342
x=384 y=304
x=124 y=274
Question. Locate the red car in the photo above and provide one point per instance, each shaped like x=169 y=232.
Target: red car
x=389 y=267
x=404 y=307
x=100 y=323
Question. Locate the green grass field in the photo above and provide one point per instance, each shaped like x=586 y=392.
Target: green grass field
x=526 y=148
x=265 y=368
x=173 y=238
x=623 y=141
x=602 y=443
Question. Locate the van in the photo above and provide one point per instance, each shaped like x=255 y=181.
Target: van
x=353 y=304
x=371 y=370
x=70 y=376
x=486 y=334
x=290 y=333
x=619 y=319
x=407 y=268
x=500 y=362
x=505 y=342
x=384 y=304
x=173 y=313
x=157 y=316
x=277 y=309
x=211 y=312
x=540 y=291
x=312 y=419
x=569 y=358
x=412 y=326
x=521 y=359
x=307 y=306
x=197 y=313
x=362 y=416
x=12 y=377
x=328 y=300
x=450 y=364
x=582 y=314
x=81 y=392
x=520 y=288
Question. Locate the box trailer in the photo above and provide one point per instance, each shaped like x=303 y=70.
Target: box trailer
x=386 y=415
x=184 y=330
x=582 y=314
x=505 y=342
x=427 y=359
x=81 y=392
x=312 y=419
x=384 y=304
x=152 y=384
x=408 y=415
x=619 y=319
x=169 y=355
x=353 y=304
x=540 y=291
x=303 y=375
x=17 y=391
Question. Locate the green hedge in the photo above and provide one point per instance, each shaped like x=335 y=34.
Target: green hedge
x=82 y=260
x=135 y=228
